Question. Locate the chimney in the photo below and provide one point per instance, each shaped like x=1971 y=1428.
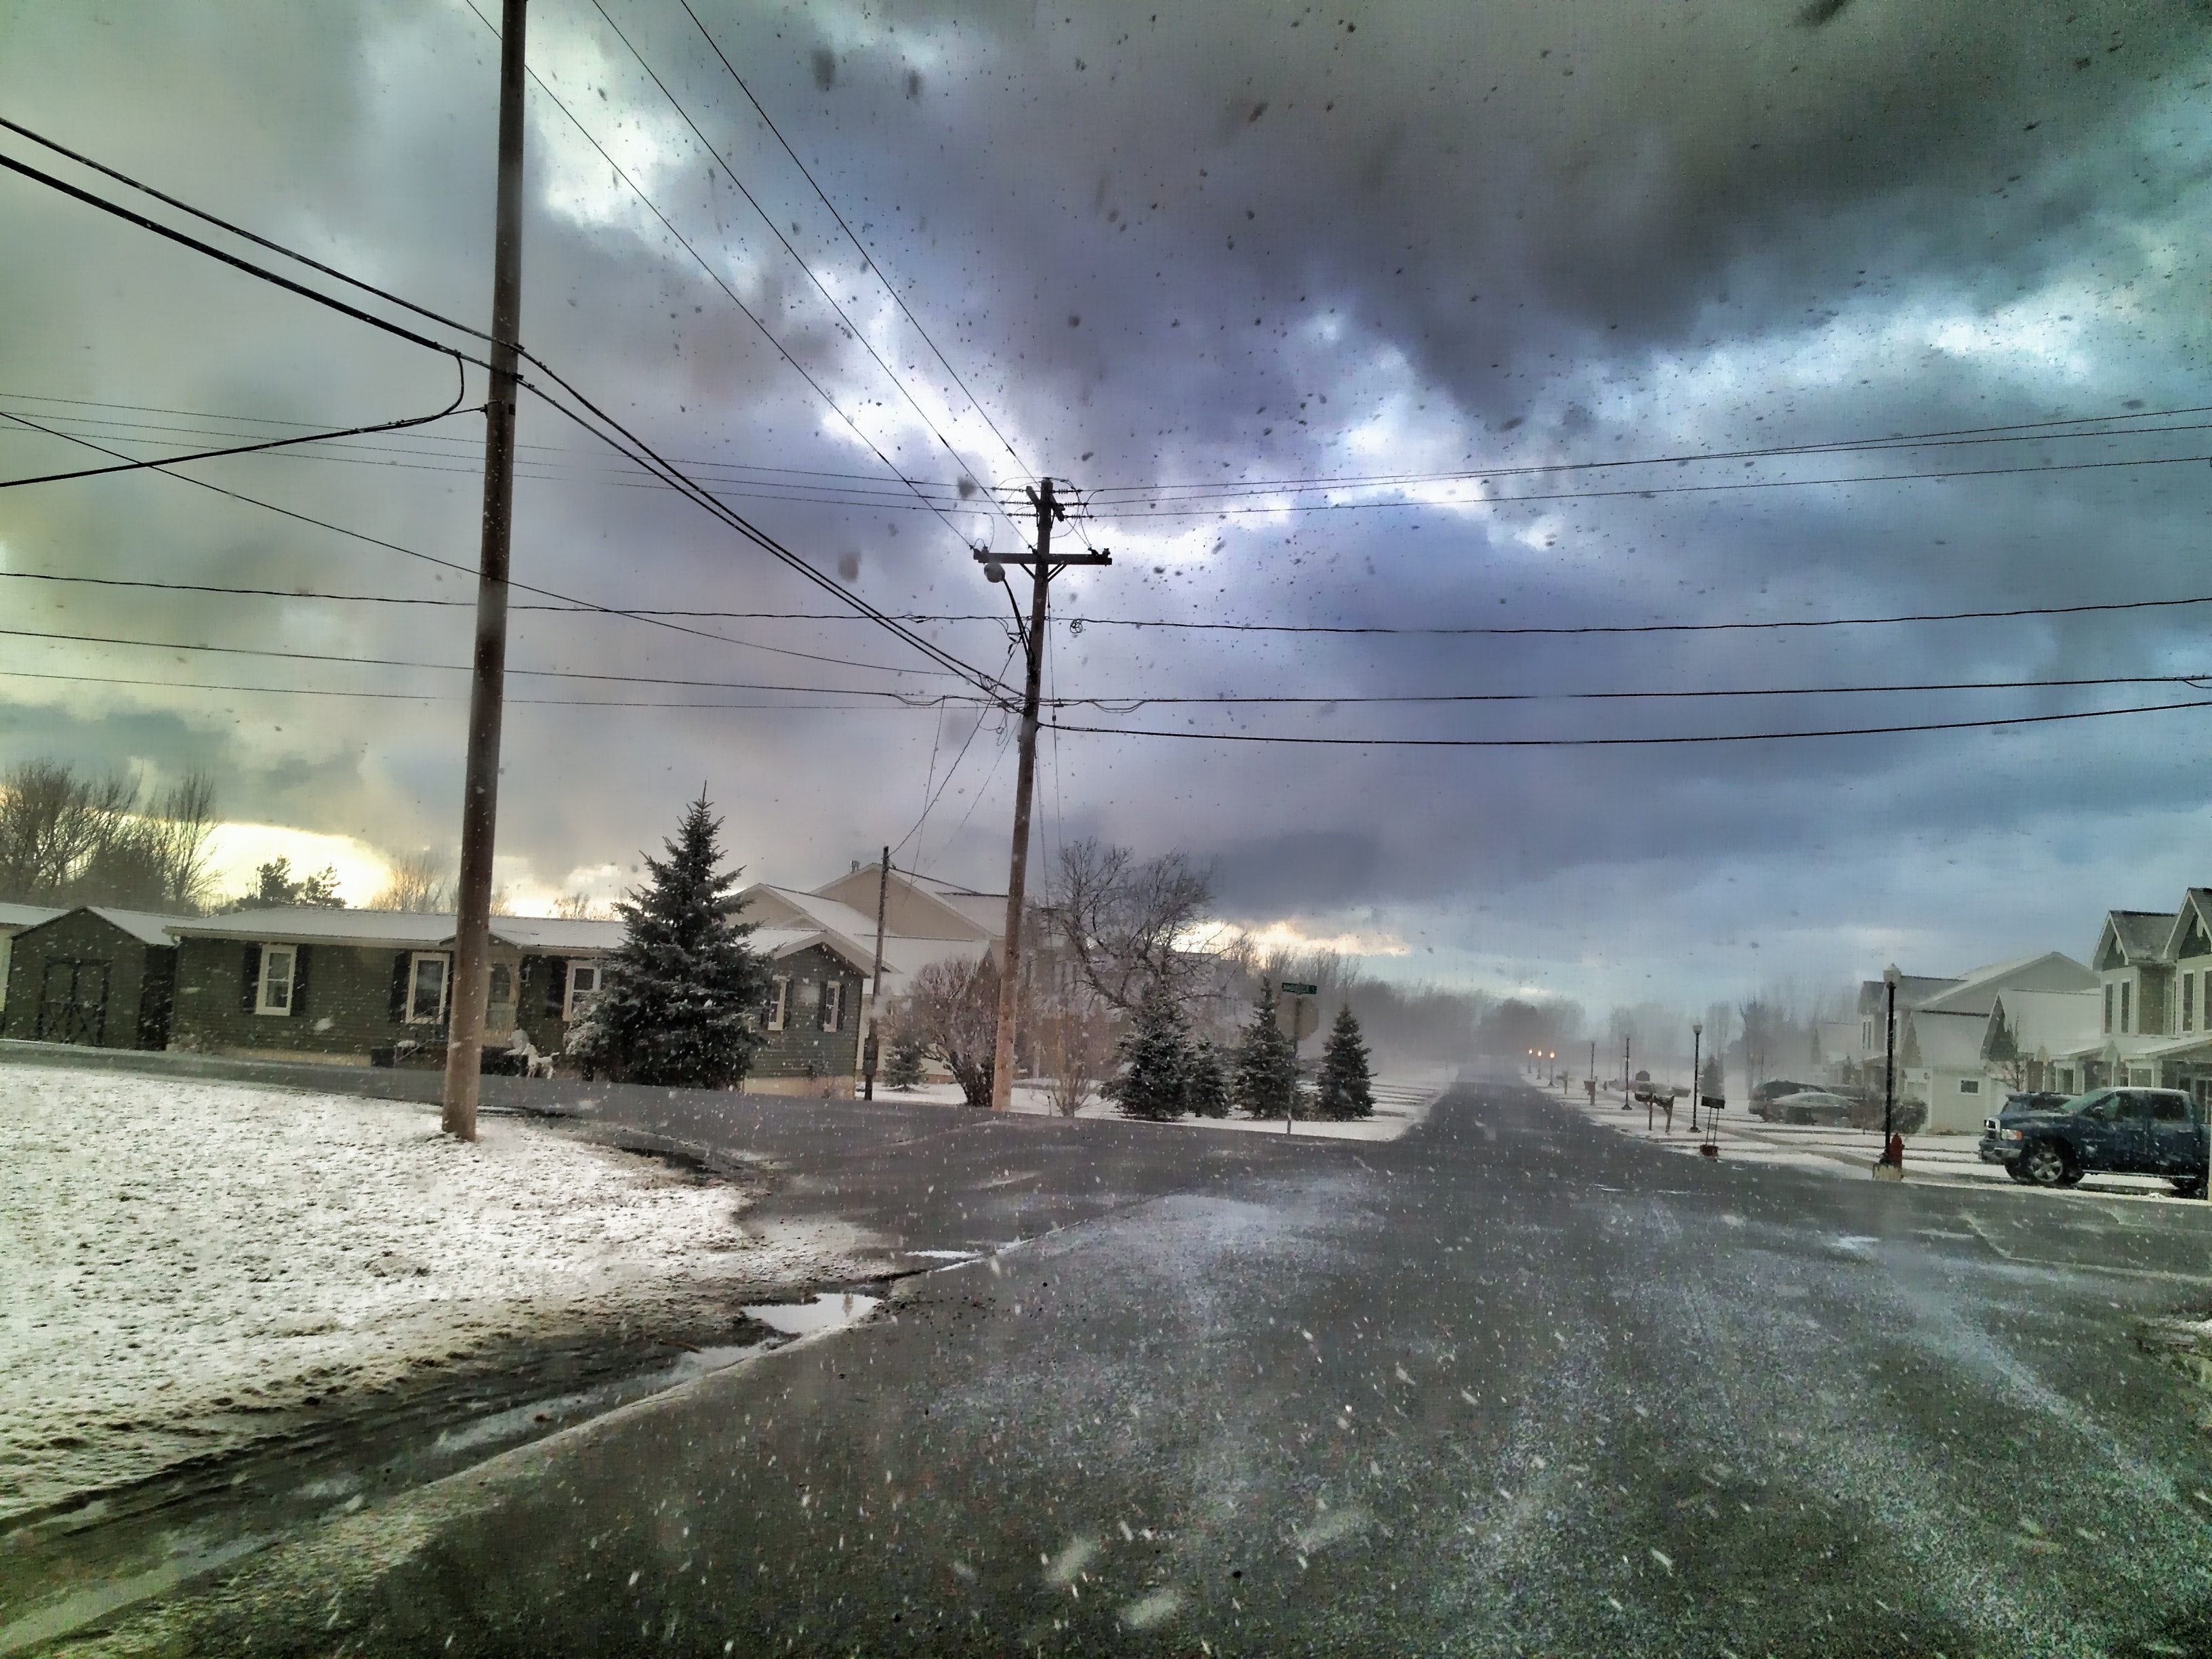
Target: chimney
x=855 y=870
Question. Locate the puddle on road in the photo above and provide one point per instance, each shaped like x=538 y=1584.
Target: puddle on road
x=830 y=1311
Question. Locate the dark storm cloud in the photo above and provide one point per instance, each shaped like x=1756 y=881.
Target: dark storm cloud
x=1229 y=242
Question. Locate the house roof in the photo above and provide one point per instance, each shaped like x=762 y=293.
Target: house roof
x=1912 y=990
x=14 y=918
x=922 y=907
x=778 y=943
x=2051 y=1022
x=1952 y=1041
x=2196 y=905
x=568 y=933
x=2139 y=935
x=1977 y=990
x=311 y=925
x=144 y=926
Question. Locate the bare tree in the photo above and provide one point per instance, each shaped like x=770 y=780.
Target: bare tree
x=578 y=906
x=90 y=841
x=1761 y=1025
x=1127 y=923
x=417 y=883
x=1078 y=1038
x=952 y=1007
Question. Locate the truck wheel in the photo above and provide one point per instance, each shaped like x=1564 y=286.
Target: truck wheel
x=2018 y=1174
x=2045 y=1164
x=2192 y=1187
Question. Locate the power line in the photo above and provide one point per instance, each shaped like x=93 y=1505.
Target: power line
x=1130 y=705
x=643 y=613
x=1654 y=490
x=890 y=288
x=568 y=601
x=915 y=699
x=1606 y=742
x=461 y=390
x=930 y=804
x=441 y=697
x=851 y=327
x=631 y=446
x=2018 y=432
x=716 y=277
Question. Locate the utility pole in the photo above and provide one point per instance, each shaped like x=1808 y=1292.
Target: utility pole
x=872 y=1049
x=1043 y=569
x=487 y=688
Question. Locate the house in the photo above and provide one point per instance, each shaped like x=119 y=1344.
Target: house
x=1956 y=1050
x=14 y=919
x=307 y=984
x=95 y=976
x=2155 y=972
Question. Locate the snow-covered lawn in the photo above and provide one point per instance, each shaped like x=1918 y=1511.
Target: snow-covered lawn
x=182 y=1257
x=1402 y=1100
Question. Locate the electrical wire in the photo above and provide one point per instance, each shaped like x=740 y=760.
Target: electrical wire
x=916 y=699
x=1637 y=742
x=461 y=390
x=437 y=696
x=568 y=601
x=890 y=288
x=633 y=448
x=1130 y=705
x=852 y=328
x=930 y=806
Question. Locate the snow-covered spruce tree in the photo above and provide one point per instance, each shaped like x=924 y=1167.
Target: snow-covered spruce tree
x=679 y=995
x=1266 y=1079
x=1155 y=1059
x=1205 y=1081
x=1343 y=1090
x=907 y=1051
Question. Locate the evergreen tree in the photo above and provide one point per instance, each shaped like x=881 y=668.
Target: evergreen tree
x=1344 y=1090
x=1267 y=1081
x=1155 y=1059
x=907 y=1051
x=1205 y=1081
x=680 y=996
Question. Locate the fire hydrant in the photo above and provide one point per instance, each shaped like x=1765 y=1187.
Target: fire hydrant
x=1891 y=1165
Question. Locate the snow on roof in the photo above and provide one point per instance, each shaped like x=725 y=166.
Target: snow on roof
x=1953 y=1040
x=1912 y=990
x=1977 y=990
x=828 y=913
x=2198 y=902
x=311 y=925
x=780 y=942
x=14 y=918
x=569 y=934
x=2140 y=934
x=144 y=926
x=2058 y=1021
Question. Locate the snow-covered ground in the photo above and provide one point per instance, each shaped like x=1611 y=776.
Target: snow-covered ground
x=181 y=1259
x=1933 y=1159
x=1402 y=1100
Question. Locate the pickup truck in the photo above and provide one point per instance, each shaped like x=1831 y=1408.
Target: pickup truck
x=2151 y=1132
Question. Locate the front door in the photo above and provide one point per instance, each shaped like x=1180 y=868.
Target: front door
x=73 y=1002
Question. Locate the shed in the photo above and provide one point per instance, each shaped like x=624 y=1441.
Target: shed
x=97 y=977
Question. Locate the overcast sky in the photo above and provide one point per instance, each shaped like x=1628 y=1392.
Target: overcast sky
x=1167 y=250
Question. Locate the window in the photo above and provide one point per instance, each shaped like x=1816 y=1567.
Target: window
x=584 y=984
x=276 y=992
x=1970 y=1085
x=426 y=988
x=2125 y=990
x=833 y=1003
x=503 y=983
x=779 y=1002
x=2169 y=1108
x=2189 y=1002
x=2108 y=1006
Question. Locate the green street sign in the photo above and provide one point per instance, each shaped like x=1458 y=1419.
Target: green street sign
x=1288 y=989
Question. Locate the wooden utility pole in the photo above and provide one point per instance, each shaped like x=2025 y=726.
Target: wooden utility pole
x=869 y=1049
x=486 y=689
x=1043 y=569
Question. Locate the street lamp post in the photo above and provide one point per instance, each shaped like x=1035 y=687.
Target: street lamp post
x=1892 y=1149
x=1697 y=1037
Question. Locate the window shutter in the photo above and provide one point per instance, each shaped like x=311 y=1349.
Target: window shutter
x=250 y=995
x=526 y=984
x=400 y=965
x=557 y=985
x=299 y=981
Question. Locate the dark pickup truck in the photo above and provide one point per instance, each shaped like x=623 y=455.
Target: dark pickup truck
x=2149 y=1132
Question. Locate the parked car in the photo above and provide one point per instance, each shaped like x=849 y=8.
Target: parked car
x=2151 y=1132
x=1908 y=1116
x=1763 y=1097
x=1806 y=1106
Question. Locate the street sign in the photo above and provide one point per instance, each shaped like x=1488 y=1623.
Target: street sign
x=1286 y=988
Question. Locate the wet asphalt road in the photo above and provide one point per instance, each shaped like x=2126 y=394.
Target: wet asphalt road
x=1509 y=1385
